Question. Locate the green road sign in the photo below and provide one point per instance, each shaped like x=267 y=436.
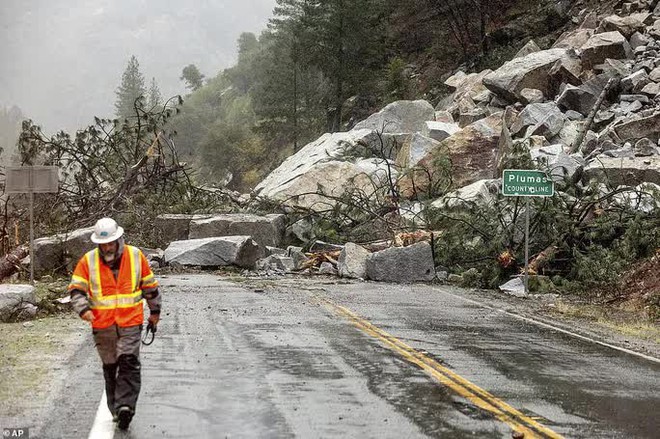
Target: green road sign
x=526 y=183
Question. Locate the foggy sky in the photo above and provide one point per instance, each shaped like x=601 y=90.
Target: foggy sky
x=62 y=60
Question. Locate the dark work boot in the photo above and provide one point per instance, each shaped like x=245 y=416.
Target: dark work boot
x=124 y=417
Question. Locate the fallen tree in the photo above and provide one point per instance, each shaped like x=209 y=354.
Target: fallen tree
x=11 y=262
x=128 y=169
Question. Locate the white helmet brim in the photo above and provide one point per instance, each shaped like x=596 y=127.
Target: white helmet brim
x=109 y=238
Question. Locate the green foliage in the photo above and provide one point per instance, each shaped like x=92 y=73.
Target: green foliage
x=349 y=36
x=288 y=86
x=215 y=133
x=596 y=265
x=471 y=237
x=441 y=180
x=288 y=95
x=326 y=231
x=321 y=66
x=242 y=75
x=593 y=245
x=230 y=149
x=131 y=91
x=192 y=77
x=471 y=278
x=125 y=169
x=396 y=84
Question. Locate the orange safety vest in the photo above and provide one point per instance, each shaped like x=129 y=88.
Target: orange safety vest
x=114 y=301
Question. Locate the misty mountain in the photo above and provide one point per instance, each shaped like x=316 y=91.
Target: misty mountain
x=62 y=61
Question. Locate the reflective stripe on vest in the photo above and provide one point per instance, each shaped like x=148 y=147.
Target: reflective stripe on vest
x=78 y=283
x=96 y=297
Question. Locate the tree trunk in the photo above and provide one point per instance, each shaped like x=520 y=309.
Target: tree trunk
x=458 y=30
x=295 y=103
x=11 y=262
x=590 y=119
x=483 y=16
x=340 y=71
x=542 y=259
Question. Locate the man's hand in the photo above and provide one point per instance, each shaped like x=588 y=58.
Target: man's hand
x=88 y=316
x=154 y=319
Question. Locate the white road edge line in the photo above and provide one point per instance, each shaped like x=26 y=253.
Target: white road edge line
x=103 y=427
x=555 y=328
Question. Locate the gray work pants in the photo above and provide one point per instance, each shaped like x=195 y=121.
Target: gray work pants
x=119 y=349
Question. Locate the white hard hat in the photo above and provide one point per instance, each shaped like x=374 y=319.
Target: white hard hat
x=106 y=230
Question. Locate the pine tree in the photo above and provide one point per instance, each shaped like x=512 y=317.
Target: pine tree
x=155 y=98
x=132 y=88
x=349 y=34
x=288 y=93
x=342 y=39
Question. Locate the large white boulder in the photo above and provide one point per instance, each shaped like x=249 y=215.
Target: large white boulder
x=415 y=148
x=481 y=193
x=625 y=25
x=472 y=152
x=624 y=171
x=329 y=165
x=440 y=130
x=352 y=261
x=240 y=251
x=560 y=166
x=605 y=45
x=573 y=39
x=402 y=264
x=530 y=71
x=639 y=128
x=539 y=119
x=399 y=117
x=266 y=230
x=13 y=296
x=173 y=227
x=61 y=251
x=467 y=88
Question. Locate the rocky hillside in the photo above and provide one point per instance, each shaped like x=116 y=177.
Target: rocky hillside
x=545 y=100
x=586 y=111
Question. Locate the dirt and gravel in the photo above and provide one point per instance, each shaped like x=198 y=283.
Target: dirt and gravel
x=640 y=288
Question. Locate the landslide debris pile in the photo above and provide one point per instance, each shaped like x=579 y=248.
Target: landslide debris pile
x=585 y=110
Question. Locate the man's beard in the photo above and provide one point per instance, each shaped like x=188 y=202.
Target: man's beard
x=110 y=256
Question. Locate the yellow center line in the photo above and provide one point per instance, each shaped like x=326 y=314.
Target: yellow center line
x=478 y=396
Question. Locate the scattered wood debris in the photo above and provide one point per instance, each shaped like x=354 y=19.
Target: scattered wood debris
x=315 y=259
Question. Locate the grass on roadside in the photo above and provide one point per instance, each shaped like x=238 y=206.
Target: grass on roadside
x=30 y=352
x=622 y=320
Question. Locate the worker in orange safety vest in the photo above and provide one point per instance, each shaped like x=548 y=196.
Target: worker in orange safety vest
x=107 y=289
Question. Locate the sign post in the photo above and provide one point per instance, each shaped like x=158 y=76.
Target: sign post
x=31 y=180
x=526 y=183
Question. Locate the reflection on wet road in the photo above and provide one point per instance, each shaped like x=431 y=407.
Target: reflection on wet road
x=296 y=359
x=478 y=397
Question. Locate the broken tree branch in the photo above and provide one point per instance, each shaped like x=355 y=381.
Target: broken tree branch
x=11 y=262
x=590 y=120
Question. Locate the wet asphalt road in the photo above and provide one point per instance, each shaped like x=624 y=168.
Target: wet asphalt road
x=275 y=360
